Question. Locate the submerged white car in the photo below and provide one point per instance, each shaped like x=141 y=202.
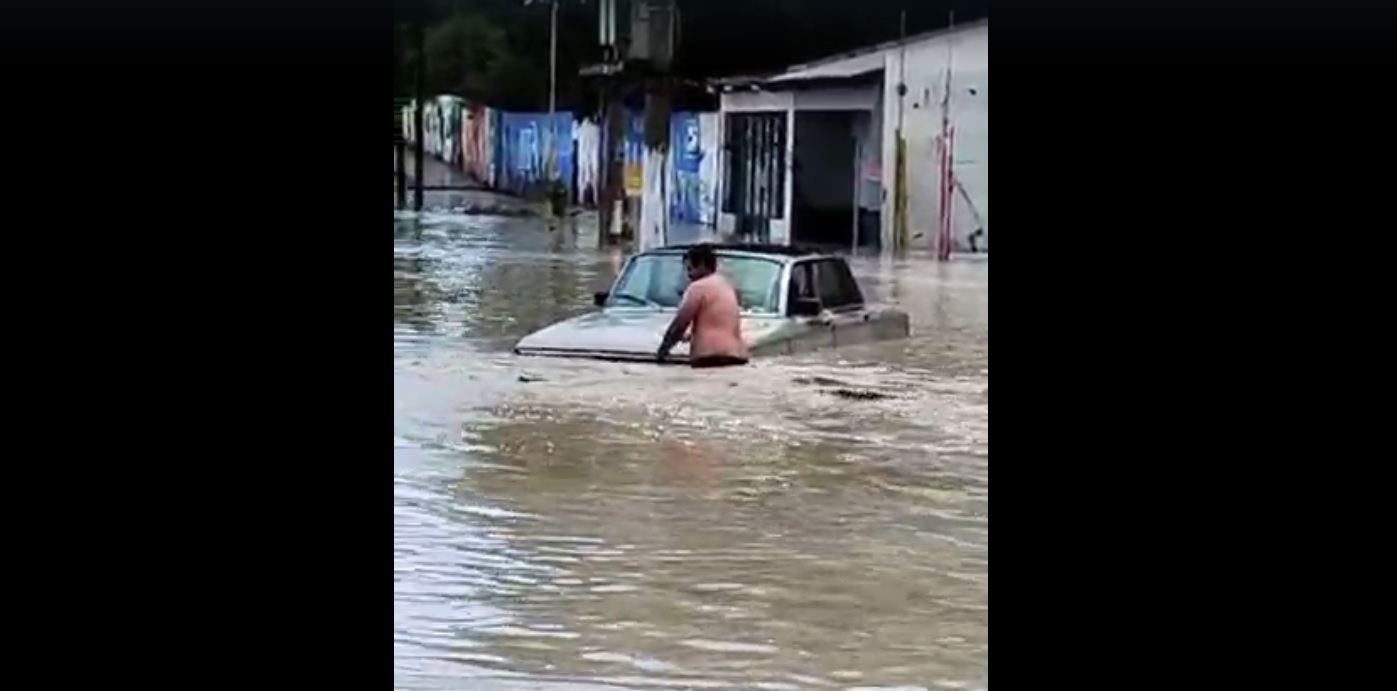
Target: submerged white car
x=792 y=300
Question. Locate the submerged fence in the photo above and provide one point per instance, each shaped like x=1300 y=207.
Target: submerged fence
x=508 y=151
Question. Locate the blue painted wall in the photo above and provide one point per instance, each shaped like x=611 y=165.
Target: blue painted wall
x=522 y=148
x=686 y=199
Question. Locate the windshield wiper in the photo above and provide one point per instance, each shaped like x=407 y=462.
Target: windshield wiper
x=636 y=299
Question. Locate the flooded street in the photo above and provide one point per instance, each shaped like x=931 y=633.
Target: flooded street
x=577 y=525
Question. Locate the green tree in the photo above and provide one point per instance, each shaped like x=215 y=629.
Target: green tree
x=496 y=51
x=516 y=83
x=462 y=53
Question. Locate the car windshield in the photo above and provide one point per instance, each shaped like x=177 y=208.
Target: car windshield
x=659 y=280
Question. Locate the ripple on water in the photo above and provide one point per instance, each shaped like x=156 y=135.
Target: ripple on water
x=609 y=525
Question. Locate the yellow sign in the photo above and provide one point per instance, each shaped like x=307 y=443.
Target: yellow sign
x=635 y=182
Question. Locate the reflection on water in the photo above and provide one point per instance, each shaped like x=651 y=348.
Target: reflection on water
x=586 y=525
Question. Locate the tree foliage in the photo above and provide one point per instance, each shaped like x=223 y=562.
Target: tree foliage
x=497 y=50
x=463 y=55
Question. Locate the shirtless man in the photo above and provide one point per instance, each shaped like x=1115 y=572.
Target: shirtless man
x=710 y=306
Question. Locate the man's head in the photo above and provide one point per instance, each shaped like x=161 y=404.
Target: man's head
x=700 y=261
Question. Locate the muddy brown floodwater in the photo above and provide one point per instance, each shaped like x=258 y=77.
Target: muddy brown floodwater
x=584 y=525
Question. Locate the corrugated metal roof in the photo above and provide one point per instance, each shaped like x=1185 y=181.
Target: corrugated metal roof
x=852 y=63
x=841 y=69
x=889 y=46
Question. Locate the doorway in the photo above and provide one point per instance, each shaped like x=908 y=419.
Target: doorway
x=824 y=163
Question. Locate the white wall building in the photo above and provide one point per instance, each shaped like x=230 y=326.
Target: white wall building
x=810 y=153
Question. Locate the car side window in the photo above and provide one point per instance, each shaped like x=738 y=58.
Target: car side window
x=850 y=285
x=802 y=284
x=837 y=286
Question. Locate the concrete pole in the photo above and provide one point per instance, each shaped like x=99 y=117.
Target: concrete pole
x=613 y=167
x=901 y=234
x=551 y=147
x=654 y=211
x=654 y=204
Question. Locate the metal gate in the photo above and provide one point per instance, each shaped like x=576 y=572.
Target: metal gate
x=755 y=174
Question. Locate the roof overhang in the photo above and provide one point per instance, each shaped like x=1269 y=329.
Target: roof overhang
x=855 y=71
x=803 y=84
x=848 y=68
x=859 y=66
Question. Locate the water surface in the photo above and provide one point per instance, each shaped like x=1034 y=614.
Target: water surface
x=584 y=525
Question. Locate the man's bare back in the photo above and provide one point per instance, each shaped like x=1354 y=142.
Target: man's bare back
x=711 y=308
x=717 y=318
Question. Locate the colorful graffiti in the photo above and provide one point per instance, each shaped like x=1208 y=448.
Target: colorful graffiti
x=448 y=131
x=693 y=159
x=634 y=156
x=478 y=150
x=509 y=152
x=523 y=148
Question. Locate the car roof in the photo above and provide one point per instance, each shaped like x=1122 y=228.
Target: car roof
x=779 y=252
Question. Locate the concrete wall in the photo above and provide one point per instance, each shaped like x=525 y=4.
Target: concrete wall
x=926 y=61
x=868 y=134
x=837 y=98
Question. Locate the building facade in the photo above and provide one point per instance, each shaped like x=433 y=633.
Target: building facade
x=810 y=155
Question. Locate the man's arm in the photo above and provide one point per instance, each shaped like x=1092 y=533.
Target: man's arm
x=688 y=306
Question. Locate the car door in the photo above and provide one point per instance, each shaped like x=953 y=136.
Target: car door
x=843 y=302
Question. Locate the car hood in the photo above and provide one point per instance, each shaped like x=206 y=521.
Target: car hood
x=623 y=333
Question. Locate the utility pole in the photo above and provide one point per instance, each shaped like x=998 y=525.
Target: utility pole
x=901 y=238
x=946 y=198
x=551 y=149
x=420 y=90
x=613 y=164
x=611 y=167
x=656 y=20
x=654 y=211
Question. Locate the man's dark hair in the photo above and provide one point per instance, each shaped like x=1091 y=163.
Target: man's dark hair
x=702 y=256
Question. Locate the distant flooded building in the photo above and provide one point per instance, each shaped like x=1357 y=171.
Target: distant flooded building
x=810 y=154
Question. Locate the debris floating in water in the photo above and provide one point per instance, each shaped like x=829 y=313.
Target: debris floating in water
x=859 y=395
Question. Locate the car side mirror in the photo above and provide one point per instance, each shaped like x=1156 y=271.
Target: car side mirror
x=805 y=307
x=599 y=298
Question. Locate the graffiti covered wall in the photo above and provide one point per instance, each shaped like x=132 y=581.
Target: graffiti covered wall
x=586 y=136
x=694 y=164
x=508 y=152
x=634 y=156
x=448 y=130
x=478 y=147
x=523 y=146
